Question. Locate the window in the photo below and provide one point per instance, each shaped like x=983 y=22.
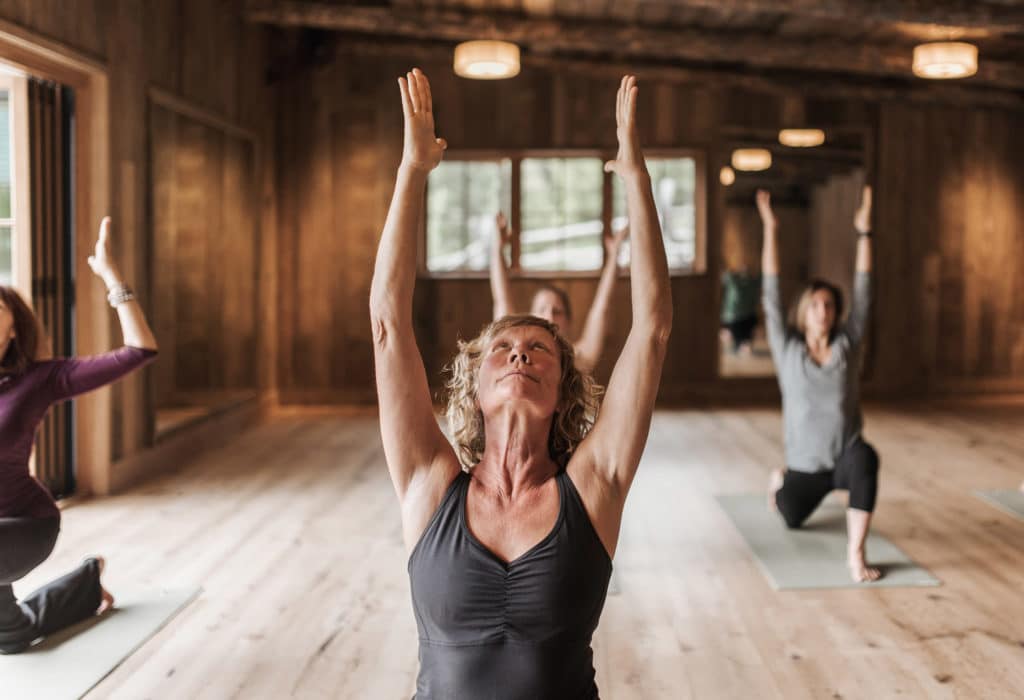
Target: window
x=6 y=177
x=15 y=266
x=463 y=197
x=564 y=204
x=560 y=207
x=674 y=182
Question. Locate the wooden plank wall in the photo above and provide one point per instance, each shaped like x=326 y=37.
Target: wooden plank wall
x=833 y=243
x=206 y=242
x=199 y=51
x=950 y=200
x=951 y=249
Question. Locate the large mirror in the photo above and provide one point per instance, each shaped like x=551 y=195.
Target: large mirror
x=815 y=191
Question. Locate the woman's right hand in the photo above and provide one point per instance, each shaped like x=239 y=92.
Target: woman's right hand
x=501 y=229
x=764 y=208
x=422 y=149
x=101 y=261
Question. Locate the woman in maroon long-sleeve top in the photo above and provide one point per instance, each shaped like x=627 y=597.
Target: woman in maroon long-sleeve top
x=29 y=518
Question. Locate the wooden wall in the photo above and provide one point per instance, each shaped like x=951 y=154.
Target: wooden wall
x=206 y=243
x=949 y=183
x=203 y=53
x=740 y=240
x=951 y=248
x=832 y=251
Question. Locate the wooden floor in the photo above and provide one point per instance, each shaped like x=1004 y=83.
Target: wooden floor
x=293 y=531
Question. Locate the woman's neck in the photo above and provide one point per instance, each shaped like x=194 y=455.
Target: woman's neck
x=816 y=343
x=516 y=456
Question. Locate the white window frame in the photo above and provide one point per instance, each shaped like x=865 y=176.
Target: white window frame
x=16 y=85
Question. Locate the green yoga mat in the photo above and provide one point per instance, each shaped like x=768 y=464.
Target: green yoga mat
x=1011 y=502
x=69 y=664
x=815 y=555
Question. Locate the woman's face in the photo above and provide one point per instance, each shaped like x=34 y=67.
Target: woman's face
x=521 y=367
x=821 y=313
x=548 y=305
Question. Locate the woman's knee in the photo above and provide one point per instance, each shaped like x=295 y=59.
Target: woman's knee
x=793 y=522
x=865 y=459
x=790 y=516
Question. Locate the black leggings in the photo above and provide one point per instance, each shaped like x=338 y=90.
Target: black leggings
x=25 y=543
x=856 y=470
x=741 y=330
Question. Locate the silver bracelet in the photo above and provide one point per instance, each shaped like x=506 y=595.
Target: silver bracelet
x=121 y=294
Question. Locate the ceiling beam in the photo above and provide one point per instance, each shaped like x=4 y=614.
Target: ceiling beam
x=1000 y=16
x=615 y=41
x=781 y=83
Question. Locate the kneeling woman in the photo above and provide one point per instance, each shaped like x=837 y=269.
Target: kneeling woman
x=817 y=360
x=29 y=518
x=511 y=534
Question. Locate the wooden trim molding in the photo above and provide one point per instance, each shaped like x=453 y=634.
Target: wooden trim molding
x=45 y=58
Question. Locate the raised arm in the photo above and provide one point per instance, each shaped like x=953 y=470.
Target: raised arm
x=771 y=296
x=419 y=457
x=857 y=321
x=134 y=327
x=501 y=292
x=612 y=450
x=862 y=224
x=77 y=375
x=595 y=329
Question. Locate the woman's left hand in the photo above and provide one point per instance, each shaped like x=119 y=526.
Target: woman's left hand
x=629 y=160
x=100 y=261
x=862 y=219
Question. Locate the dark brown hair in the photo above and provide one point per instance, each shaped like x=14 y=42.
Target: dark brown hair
x=562 y=295
x=23 y=349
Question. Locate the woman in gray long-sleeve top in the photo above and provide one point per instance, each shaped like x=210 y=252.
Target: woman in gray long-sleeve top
x=817 y=359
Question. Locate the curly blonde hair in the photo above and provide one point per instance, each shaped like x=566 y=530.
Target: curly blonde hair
x=578 y=395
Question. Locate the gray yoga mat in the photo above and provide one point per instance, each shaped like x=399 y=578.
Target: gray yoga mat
x=69 y=664
x=815 y=555
x=1011 y=502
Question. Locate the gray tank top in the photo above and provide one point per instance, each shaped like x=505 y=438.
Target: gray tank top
x=495 y=631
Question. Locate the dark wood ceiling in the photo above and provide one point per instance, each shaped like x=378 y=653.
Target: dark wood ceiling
x=859 y=39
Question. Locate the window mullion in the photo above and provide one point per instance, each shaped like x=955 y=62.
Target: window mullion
x=515 y=219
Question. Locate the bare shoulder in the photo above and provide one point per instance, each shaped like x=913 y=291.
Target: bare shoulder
x=424 y=494
x=603 y=500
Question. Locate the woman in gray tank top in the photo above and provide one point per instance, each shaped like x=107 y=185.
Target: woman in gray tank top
x=511 y=532
x=817 y=361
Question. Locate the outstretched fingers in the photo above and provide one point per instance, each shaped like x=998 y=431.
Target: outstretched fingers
x=403 y=86
x=104 y=230
x=629 y=111
x=619 y=99
x=426 y=99
x=414 y=92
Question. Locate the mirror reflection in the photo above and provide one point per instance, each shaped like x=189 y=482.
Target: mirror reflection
x=814 y=192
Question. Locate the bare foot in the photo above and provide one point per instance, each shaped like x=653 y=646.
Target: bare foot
x=860 y=572
x=775 y=481
x=106 y=599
